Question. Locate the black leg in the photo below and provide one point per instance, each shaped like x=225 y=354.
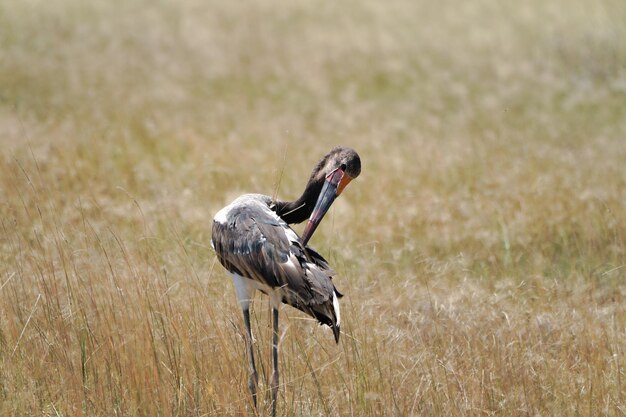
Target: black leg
x=253 y=377
x=274 y=380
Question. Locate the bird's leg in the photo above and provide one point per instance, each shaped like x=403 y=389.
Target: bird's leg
x=252 y=378
x=274 y=379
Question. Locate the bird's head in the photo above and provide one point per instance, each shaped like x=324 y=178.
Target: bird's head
x=335 y=170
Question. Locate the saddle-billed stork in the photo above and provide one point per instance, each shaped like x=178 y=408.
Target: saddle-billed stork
x=253 y=241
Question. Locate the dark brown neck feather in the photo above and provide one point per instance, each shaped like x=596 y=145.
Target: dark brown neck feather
x=300 y=210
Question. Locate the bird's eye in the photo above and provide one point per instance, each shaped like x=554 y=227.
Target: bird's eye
x=343 y=167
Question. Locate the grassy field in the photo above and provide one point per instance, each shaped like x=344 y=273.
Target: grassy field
x=482 y=250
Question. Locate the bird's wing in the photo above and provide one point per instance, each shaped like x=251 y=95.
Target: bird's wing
x=318 y=260
x=255 y=243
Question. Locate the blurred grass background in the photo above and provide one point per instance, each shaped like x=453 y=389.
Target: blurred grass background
x=482 y=250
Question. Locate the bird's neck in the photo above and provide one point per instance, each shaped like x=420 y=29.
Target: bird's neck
x=300 y=210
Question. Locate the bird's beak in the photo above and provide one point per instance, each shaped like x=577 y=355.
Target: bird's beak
x=335 y=182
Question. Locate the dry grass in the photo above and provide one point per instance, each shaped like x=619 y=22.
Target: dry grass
x=483 y=249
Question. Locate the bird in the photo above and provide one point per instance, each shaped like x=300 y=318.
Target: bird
x=253 y=240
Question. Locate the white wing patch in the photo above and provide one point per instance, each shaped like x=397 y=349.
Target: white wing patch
x=336 y=308
x=222 y=215
x=291 y=235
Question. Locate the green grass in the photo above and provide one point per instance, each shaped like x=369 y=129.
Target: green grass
x=482 y=250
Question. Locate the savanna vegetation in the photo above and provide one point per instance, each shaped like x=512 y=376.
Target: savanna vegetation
x=482 y=250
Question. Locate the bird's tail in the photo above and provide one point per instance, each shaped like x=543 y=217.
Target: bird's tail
x=329 y=314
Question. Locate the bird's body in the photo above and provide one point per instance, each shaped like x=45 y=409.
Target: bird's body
x=253 y=241
x=262 y=252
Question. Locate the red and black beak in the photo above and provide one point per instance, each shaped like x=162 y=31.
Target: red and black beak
x=335 y=182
